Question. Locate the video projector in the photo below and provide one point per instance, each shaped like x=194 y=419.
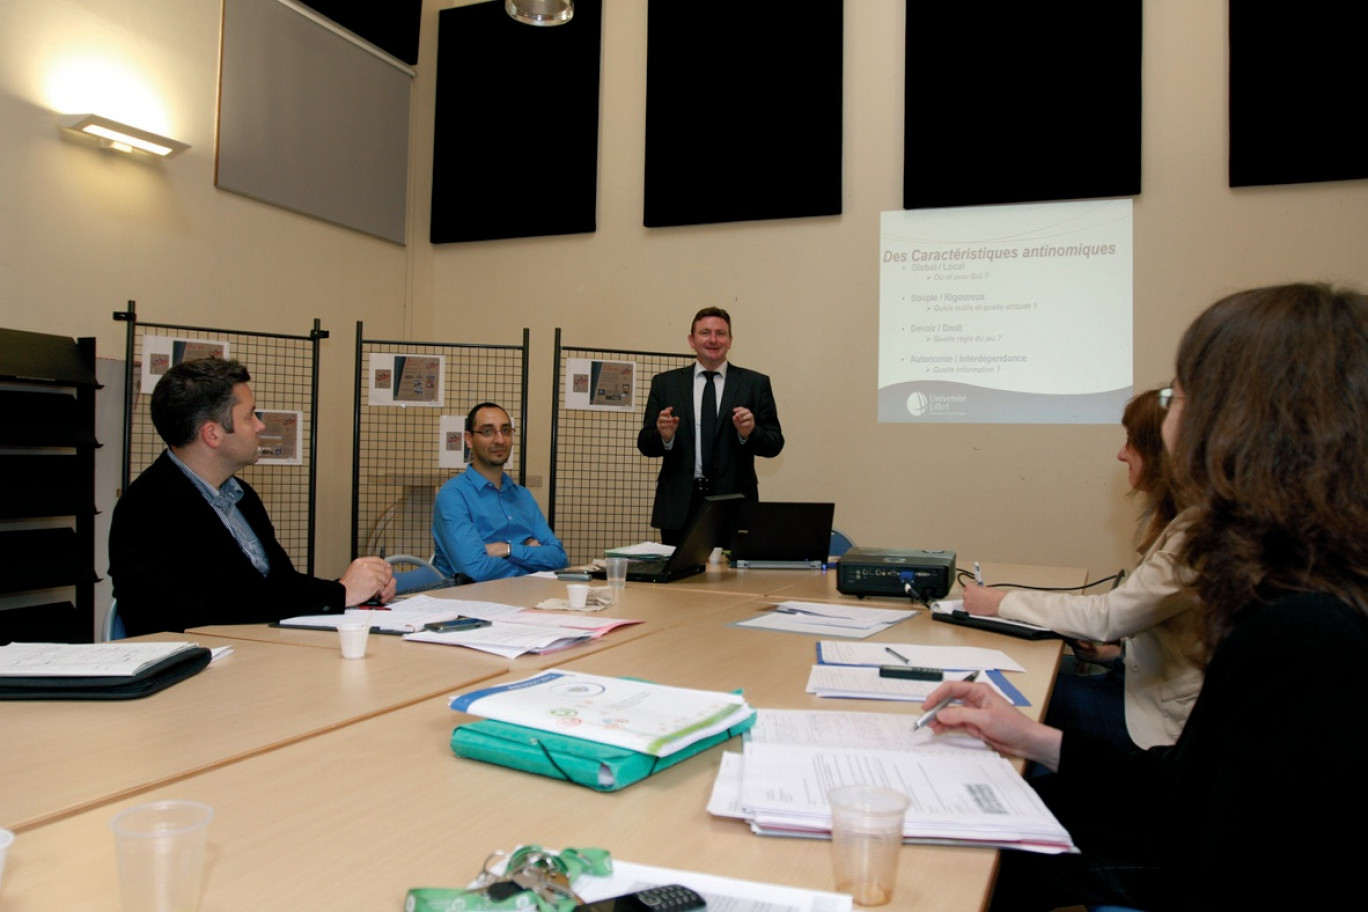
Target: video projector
x=886 y=571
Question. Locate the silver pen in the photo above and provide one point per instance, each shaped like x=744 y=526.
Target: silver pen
x=930 y=714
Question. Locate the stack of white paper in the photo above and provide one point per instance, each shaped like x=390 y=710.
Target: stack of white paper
x=845 y=619
x=87 y=660
x=865 y=684
x=643 y=551
x=851 y=670
x=962 y=793
x=512 y=631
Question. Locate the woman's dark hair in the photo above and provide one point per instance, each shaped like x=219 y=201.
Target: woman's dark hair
x=1143 y=420
x=1272 y=447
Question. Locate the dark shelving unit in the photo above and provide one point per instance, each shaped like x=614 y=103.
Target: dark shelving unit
x=47 y=487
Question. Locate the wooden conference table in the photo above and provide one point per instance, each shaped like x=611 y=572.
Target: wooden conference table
x=334 y=785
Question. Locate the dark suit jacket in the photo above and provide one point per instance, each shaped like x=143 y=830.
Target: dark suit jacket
x=175 y=565
x=733 y=462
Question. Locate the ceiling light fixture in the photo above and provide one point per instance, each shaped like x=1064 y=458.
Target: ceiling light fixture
x=541 y=12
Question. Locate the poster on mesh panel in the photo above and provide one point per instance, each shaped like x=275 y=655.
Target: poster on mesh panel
x=406 y=380
x=279 y=443
x=600 y=385
x=161 y=353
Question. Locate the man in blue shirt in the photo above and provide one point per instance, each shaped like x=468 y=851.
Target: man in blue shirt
x=486 y=525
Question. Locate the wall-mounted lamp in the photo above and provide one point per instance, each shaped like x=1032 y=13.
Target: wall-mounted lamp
x=541 y=12
x=114 y=135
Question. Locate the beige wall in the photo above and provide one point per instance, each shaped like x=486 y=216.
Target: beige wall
x=804 y=293
x=80 y=233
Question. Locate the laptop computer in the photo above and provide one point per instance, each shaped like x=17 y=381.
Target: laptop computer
x=690 y=556
x=785 y=536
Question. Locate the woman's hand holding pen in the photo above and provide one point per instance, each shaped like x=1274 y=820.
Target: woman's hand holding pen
x=981 y=600
x=999 y=724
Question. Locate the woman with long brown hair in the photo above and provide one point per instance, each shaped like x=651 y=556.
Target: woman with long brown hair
x=1144 y=702
x=1251 y=808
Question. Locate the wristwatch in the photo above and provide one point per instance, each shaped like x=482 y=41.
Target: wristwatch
x=508 y=549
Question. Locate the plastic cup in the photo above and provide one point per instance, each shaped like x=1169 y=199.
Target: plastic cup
x=6 y=839
x=160 y=850
x=353 y=637
x=577 y=594
x=616 y=568
x=866 y=834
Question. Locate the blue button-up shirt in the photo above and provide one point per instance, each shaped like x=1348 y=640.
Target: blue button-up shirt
x=471 y=513
x=224 y=499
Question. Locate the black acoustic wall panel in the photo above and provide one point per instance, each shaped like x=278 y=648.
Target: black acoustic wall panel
x=1298 y=92
x=516 y=146
x=391 y=26
x=743 y=111
x=1021 y=102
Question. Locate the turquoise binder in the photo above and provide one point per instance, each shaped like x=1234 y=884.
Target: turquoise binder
x=602 y=767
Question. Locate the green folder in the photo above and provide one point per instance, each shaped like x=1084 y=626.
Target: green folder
x=602 y=767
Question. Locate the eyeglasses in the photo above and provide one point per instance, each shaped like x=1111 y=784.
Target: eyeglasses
x=1166 y=397
x=488 y=431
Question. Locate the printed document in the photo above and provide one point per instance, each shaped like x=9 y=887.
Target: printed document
x=845 y=620
x=964 y=798
x=85 y=660
x=960 y=658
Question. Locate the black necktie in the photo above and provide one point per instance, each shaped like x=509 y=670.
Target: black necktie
x=708 y=421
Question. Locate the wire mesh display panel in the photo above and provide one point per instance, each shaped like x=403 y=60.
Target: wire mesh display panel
x=601 y=488
x=400 y=443
x=285 y=382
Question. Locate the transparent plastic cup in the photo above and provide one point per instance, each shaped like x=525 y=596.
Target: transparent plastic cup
x=616 y=568
x=866 y=836
x=160 y=851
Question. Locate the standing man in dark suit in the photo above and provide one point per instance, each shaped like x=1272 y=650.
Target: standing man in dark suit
x=708 y=421
x=190 y=544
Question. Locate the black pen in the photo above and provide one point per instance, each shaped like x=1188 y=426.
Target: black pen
x=930 y=714
x=897 y=655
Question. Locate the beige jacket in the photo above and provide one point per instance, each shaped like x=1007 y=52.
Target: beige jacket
x=1160 y=622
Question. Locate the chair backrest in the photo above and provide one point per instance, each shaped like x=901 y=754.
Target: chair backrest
x=423 y=575
x=840 y=543
x=113 y=624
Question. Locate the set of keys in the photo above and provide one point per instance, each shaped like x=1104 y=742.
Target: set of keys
x=540 y=872
x=548 y=876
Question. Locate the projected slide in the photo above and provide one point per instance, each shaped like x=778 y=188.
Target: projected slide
x=1006 y=314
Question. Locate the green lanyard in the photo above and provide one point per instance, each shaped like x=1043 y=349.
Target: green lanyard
x=570 y=862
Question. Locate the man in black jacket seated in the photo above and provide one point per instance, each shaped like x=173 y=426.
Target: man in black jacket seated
x=190 y=544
